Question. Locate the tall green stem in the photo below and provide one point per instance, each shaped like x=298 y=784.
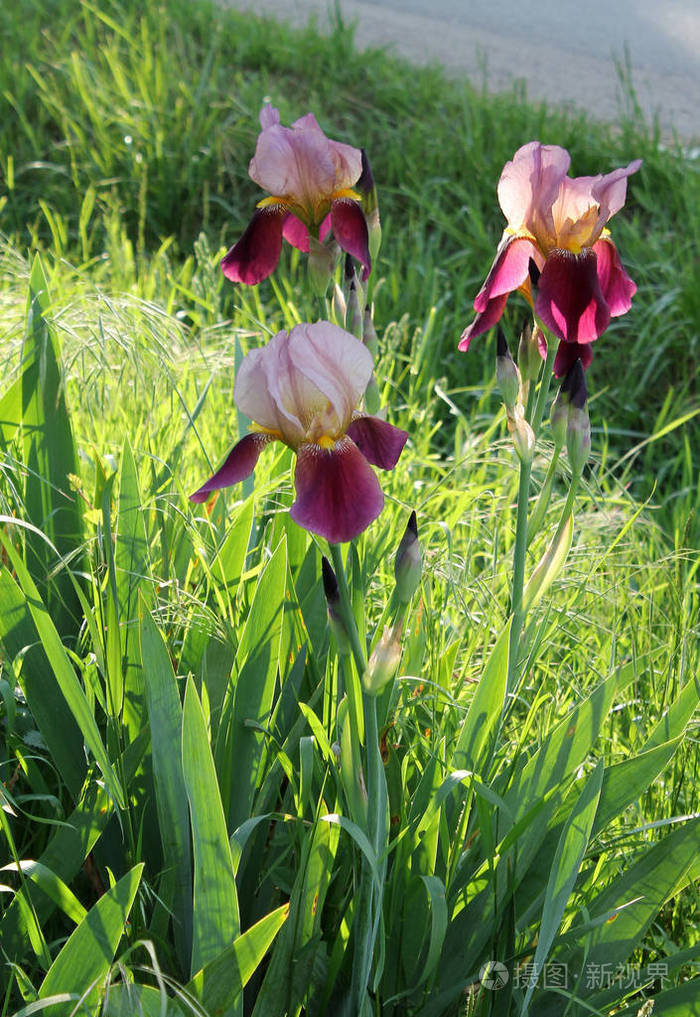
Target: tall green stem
x=369 y=900
x=520 y=548
x=346 y=610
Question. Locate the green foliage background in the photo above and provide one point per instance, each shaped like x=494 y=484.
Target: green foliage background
x=124 y=143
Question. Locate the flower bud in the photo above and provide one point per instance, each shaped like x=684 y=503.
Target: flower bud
x=558 y=418
x=507 y=373
x=369 y=334
x=384 y=661
x=578 y=427
x=408 y=564
x=372 y=397
x=529 y=357
x=370 y=206
x=523 y=435
x=335 y=618
x=355 y=300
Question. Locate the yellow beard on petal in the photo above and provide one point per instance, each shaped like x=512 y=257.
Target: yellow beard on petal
x=259 y=429
x=325 y=441
x=346 y=192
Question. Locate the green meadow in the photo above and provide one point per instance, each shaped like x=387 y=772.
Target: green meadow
x=181 y=790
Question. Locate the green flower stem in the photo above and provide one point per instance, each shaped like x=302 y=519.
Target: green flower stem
x=532 y=384
x=346 y=610
x=520 y=549
x=552 y=347
x=369 y=908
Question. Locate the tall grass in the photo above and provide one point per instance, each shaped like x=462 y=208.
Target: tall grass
x=124 y=144
x=121 y=126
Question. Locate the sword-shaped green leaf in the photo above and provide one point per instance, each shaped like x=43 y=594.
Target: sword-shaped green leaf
x=63 y=670
x=165 y=717
x=86 y=957
x=50 y=459
x=216 y=922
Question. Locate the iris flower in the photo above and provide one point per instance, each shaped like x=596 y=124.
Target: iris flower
x=310 y=180
x=303 y=388
x=559 y=223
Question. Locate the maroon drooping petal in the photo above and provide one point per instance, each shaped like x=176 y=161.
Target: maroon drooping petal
x=238 y=465
x=569 y=298
x=618 y=289
x=295 y=233
x=379 y=442
x=510 y=269
x=337 y=492
x=568 y=354
x=256 y=254
x=350 y=230
x=483 y=321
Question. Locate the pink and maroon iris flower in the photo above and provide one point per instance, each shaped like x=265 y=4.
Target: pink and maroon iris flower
x=310 y=181
x=303 y=389
x=559 y=223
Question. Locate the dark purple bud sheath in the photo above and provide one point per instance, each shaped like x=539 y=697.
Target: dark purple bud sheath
x=354 y=303
x=370 y=206
x=578 y=427
x=330 y=583
x=575 y=383
x=366 y=182
x=534 y=272
x=332 y=592
x=529 y=358
x=349 y=269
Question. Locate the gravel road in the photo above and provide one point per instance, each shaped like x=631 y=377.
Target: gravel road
x=566 y=51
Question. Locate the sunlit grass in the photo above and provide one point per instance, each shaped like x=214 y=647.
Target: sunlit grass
x=123 y=147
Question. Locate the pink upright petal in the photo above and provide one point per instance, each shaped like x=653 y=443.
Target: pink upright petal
x=483 y=321
x=238 y=465
x=379 y=442
x=296 y=164
x=348 y=164
x=346 y=159
x=576 y=215
x=569 y=298
x=509 y=270
x=568 y=354
x=610 y=190
x=256 y=391
x=295 y=233
x=350 y=230
x=256 y=254
x=329 y=363
x=337 y=492
x=529 y=186
x=585 y=204
x=618 y=289
x=308 y=123
x=269 y=116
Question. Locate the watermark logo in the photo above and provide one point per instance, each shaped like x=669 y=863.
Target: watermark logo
x=493 y=975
